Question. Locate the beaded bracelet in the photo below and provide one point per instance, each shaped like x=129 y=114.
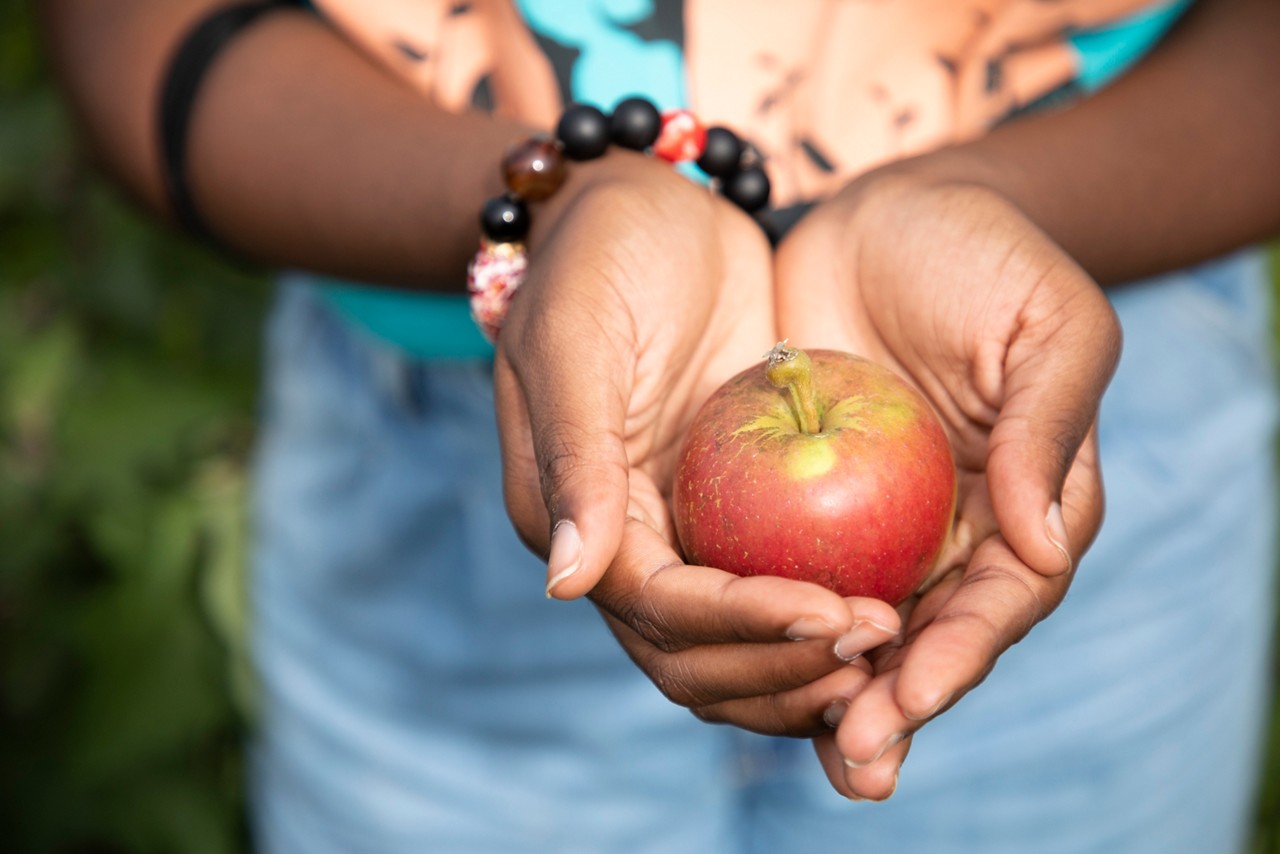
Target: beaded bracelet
x=534 y=169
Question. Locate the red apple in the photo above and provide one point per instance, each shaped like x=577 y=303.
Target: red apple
x=822 y=467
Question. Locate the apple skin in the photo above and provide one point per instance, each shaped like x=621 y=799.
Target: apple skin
x=862 y=508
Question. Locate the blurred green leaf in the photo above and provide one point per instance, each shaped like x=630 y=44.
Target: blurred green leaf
x=35 y=151
x=221 y=491
x=19 y=65
x=127 y=376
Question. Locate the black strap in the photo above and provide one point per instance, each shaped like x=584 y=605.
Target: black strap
x=187 y=69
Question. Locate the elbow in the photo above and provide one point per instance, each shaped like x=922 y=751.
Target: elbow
x=108 y=62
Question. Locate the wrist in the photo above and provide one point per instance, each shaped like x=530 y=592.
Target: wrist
x=632 y=190
x=613 y=183
x=537 y=169
x=909 y=192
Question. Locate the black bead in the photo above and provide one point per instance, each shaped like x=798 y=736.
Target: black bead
x=504 y=219
x=748 y=189
x=583 y=131
x=635 y=123
x=722 y=152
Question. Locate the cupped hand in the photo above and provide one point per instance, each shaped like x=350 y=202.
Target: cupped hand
x=1013 y=344
x=644 y=293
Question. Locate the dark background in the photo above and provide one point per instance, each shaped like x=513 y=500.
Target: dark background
x=128 y=362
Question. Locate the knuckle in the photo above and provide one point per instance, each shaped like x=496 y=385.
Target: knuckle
x=711 y=714
x=783 y=720
x=1055 y=439
x=645 y=620
x=559 y=445
x=737 y=601
x=764 y=715
x=569 y=455
x=1020 y=602
x=1062 y=442
x=1018 y=591
x=674 y=679
x=977 y=623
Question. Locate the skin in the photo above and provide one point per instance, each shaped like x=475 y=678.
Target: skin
x=306 y=154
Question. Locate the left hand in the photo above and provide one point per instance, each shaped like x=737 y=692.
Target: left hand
x=1013 y=345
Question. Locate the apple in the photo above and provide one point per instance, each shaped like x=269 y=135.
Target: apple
x=822 y=467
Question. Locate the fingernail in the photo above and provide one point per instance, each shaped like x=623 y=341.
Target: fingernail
x=810 y=628
x=892 y=740
x=566 y=554
x=932 y=711
x=1056 y=529
x=863 y=635
x=835 y=713
x=894 y=787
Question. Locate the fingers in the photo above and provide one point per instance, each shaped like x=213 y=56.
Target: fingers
x=995 y=603
x=989 y=610
x=864 y=756
x=766 y=654
x=810 y=710
x=876 y=781
x=674 y=606
x=561 y=401
x=955 y=634
x=1056 y=368
x=873 y=723
x=795 y=689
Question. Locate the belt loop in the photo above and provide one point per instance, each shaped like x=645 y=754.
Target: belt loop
x=399 y=379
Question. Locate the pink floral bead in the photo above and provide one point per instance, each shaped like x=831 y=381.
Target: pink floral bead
x=493 y=276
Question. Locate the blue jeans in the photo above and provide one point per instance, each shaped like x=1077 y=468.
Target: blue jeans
x=420 y=693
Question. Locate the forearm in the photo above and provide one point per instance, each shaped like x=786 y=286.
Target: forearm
x=1175 y=163
x=301 y=151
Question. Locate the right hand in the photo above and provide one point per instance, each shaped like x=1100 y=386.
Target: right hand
x=644 y=294
x=953 y=286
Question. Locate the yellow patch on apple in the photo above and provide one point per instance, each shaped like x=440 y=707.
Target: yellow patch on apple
x=807 y=459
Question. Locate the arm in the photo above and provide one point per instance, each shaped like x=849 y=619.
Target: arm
x=302 y=152
x=972 y=270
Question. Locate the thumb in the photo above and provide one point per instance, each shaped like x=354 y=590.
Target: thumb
x=561 y=411
x=1056 y=368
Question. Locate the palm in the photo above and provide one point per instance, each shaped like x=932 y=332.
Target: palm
x=1002 y=333
x=681 y=364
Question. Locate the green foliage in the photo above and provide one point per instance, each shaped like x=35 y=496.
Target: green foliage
x=127 y=370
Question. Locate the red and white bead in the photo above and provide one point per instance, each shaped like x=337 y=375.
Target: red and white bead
x=493 y=277
x=681 y=138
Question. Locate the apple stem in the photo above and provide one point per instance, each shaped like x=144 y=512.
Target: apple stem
x=792 y=369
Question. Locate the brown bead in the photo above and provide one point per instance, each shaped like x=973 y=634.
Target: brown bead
x=534 y=169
